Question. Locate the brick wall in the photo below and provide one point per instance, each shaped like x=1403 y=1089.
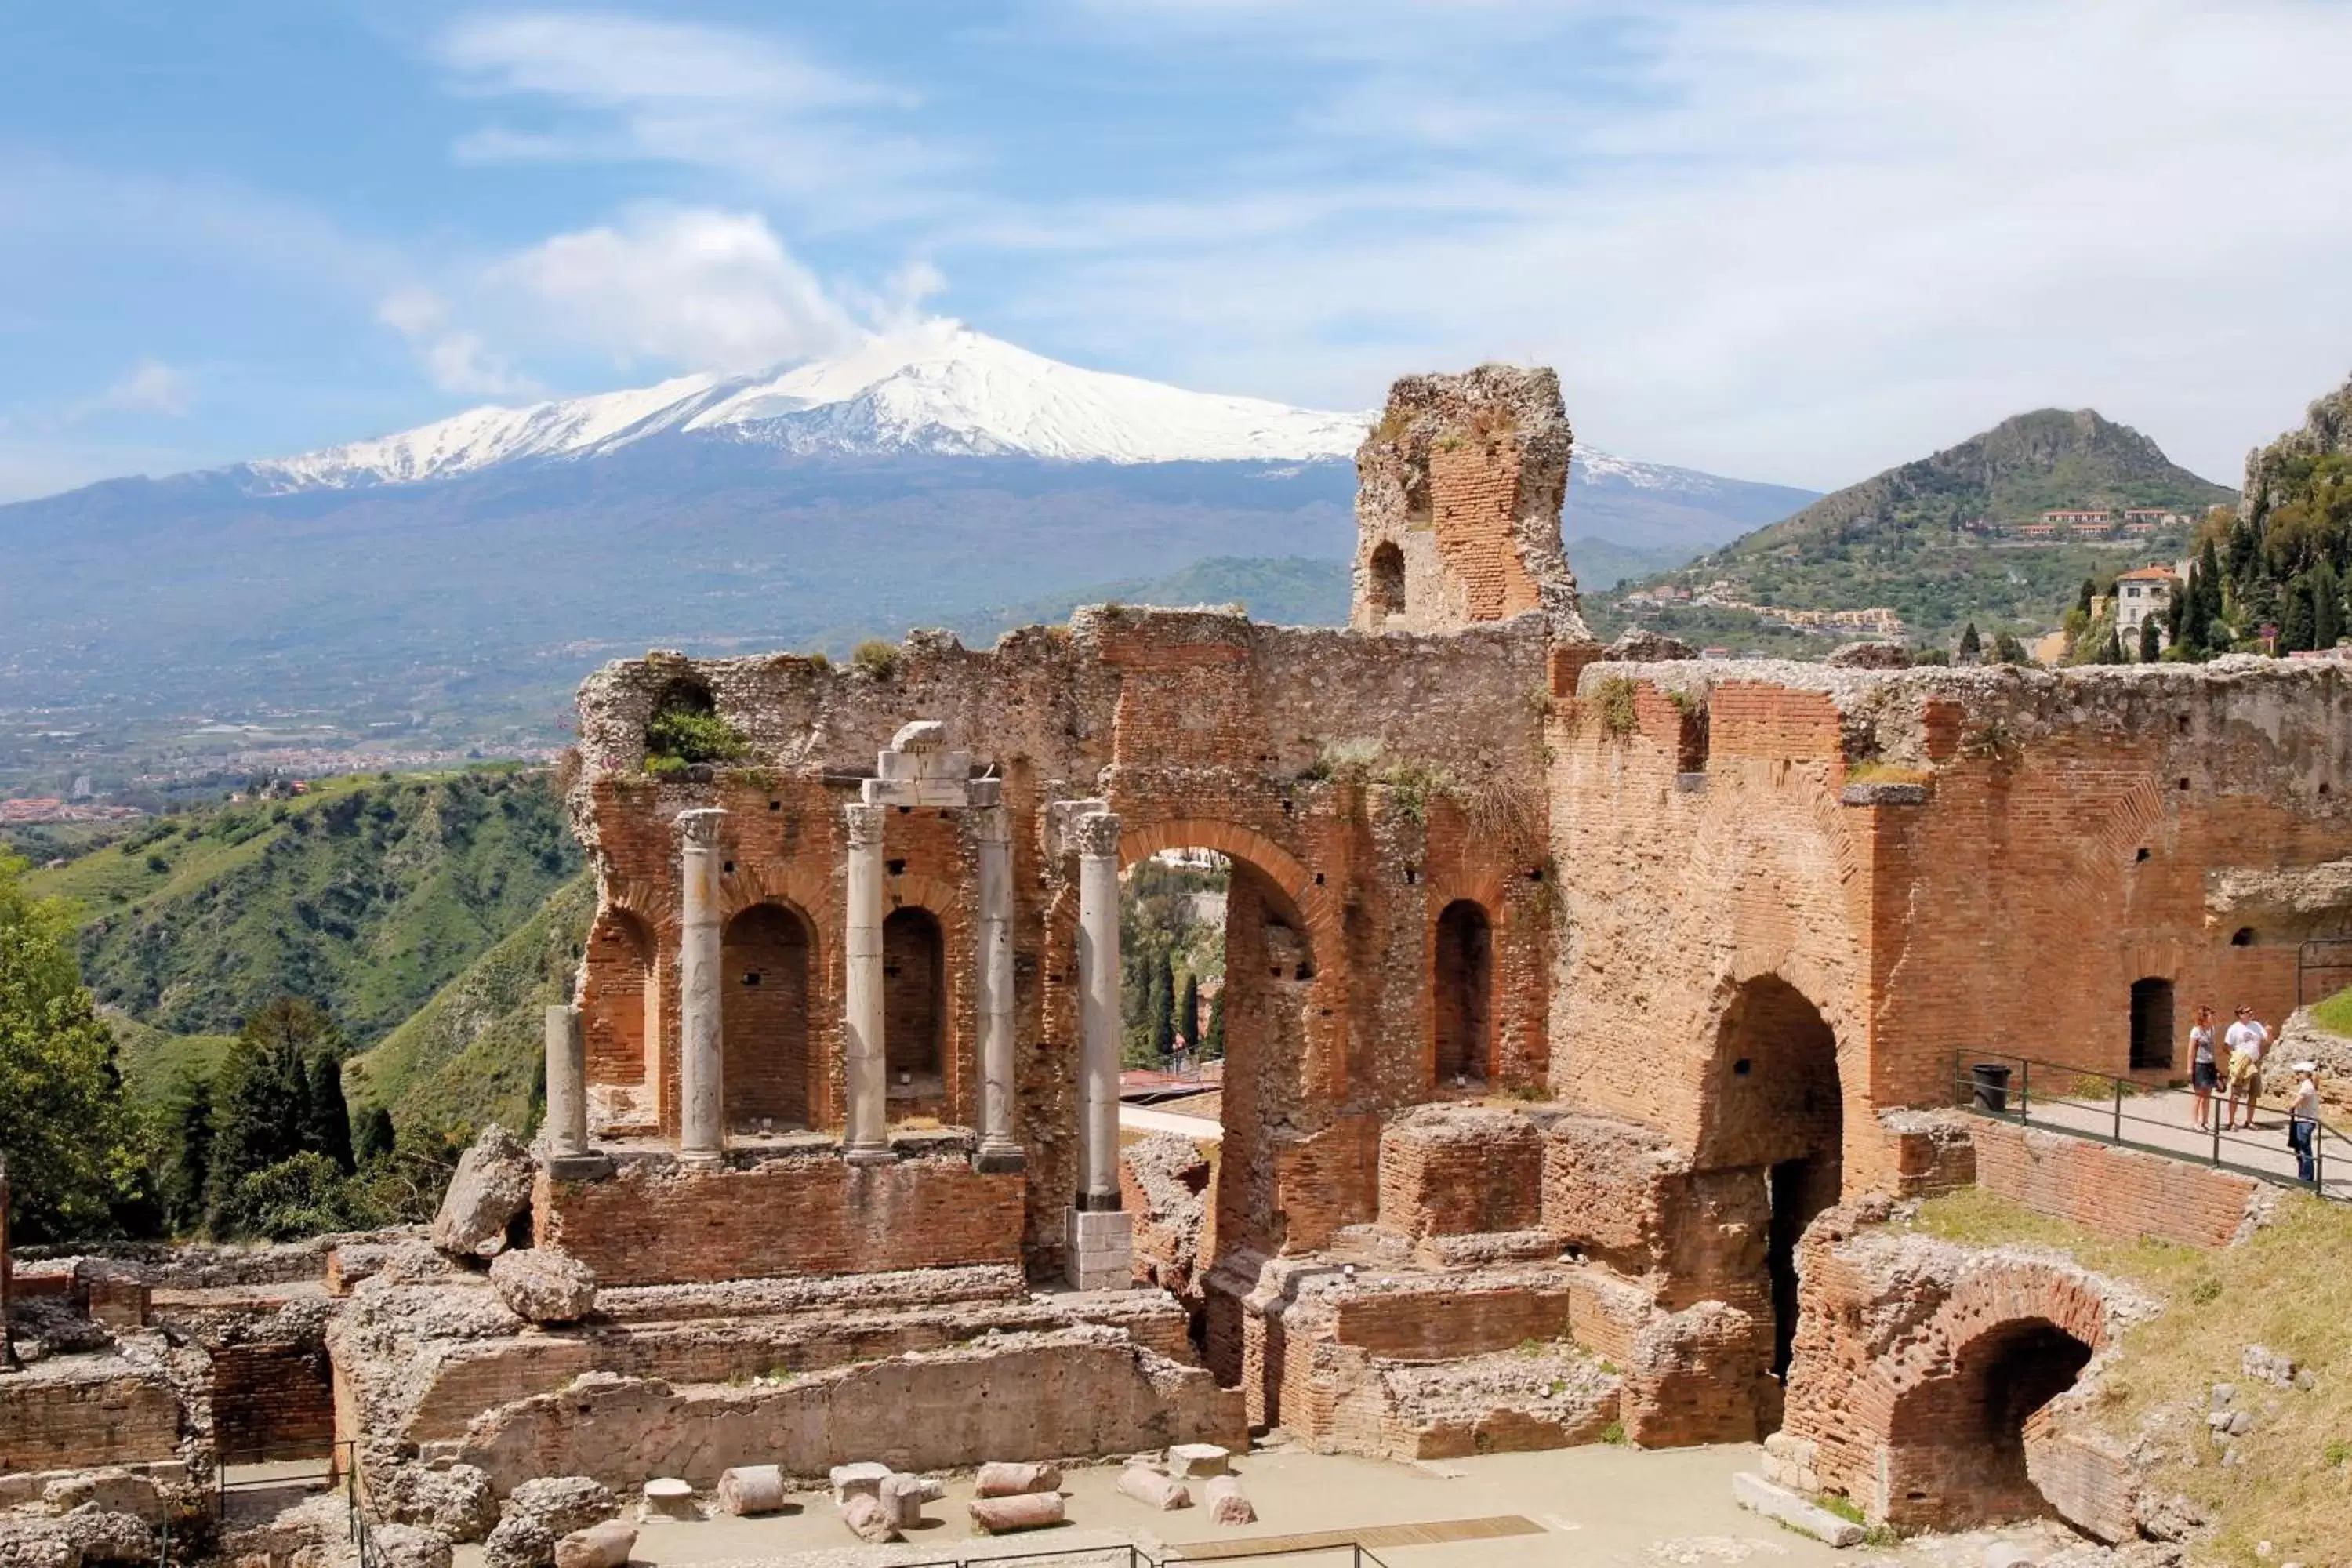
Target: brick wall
x=764 y=964
x=1474 y=490
x=270 y=1398
x=52 y=1419
x=805 y=1215
x=2119 y=1192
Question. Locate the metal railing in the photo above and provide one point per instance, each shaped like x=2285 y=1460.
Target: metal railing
x=2088 y=1103
x=1131 y=1556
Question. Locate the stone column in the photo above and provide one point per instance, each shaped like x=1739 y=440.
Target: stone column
x=702 y=993
x=567 y=1084
x=999 y=1150
x=1101 y=1239
x=864 y=1074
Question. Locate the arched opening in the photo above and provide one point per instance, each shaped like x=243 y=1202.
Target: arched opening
x=1219 y=927
x=1959 y=1446
x=1462 y=981
x=914 y=1004
x=1773 y=1105
x=627 y=1013
x=764 y=953
x=1384 y=587
x=2151 y=1023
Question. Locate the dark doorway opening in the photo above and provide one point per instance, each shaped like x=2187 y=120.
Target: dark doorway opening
x=1462 y=976
x=913 y=1004
x=1790 y=1184
x=1385 y=592
x=2151 y=1023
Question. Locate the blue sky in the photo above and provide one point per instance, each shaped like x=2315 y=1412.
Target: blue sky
x=1784 y=240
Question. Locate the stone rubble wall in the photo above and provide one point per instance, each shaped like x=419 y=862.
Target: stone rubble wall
x=1077 y=1391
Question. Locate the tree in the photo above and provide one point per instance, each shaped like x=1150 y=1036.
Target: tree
x=2084 y=599
x=1971 y=645
x=1160 y=1009
x=377 y=1137
x=329 y=1131
x=1213 y=1039
x=2326 y=607
x=2007 y=649
x=2112 y=650
x=188 y=1164
x=76 y=1156
x=2296 y=625
x=2151 y=642
x=1188 y=1012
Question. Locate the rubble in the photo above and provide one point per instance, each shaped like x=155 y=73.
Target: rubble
x=539 y=1512
x=490 y=1187
x=544 y=1286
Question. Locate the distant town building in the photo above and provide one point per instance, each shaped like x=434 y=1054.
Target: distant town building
x=2142 y=594
x=2079 y=517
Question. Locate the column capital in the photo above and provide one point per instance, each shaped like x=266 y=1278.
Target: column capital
x=698 y=828
x=865 y=825
x=1095 y=833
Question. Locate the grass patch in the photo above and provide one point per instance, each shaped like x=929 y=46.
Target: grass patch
x=2334 y=1014
x=2280 y=1288
x=1613 y=1434
x=1614 y=697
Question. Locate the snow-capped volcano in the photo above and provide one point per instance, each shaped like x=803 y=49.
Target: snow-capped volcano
x=938 y=387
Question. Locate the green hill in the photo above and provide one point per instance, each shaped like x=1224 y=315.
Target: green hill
x=472 y=1054
x=1914 y=537
x=366 y=898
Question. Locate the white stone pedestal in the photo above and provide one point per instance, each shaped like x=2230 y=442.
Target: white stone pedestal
x=1102 y=1248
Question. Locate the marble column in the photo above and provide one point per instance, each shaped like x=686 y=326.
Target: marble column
x=999 y=1150
x=866 y=1076
x=1100 y=1237
x=567 y=1084
x=701 y=992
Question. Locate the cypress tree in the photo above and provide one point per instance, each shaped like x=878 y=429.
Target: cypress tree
x=2209 y=583
x=329 y=1132
x=2082 y=600
x=2150 y=644
x=1971 y=645
x=1188 y=1012
x=2112 y=650
x=1161 y=1007
x=2326 y=607
x=1213 y=1039
x=2295 y=626
x=2176 y=612
x=2007 y=649
x=189 y=1164
x=377 y=1137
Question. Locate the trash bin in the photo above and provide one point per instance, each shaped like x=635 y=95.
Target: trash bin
x=1991 y=1081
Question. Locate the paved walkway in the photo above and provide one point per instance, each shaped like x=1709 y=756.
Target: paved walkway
x=2166 y=1120
x=1594 y=1506
x=1141 y=1119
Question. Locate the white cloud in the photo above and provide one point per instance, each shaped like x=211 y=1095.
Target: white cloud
x=1788 y=238
x=151 y=387
x=456 y=359
x=617 y=88
x=692 y=286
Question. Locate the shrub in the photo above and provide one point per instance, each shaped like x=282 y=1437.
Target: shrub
x=1614 y=697
x=874 y=660
x=680 y=737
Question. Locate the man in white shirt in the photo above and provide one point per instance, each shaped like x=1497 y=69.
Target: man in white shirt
x=2246 y=1039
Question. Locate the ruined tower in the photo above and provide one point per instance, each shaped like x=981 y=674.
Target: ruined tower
x=1457 y=505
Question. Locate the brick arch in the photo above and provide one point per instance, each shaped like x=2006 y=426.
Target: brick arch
x=936 y=896
x=1293 y=880
x=795 y=883
x=650 y=901
x=1992 y=1298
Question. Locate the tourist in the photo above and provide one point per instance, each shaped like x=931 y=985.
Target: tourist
x=2245 y=1039
x=2204 y=1069
x=2303 y=1122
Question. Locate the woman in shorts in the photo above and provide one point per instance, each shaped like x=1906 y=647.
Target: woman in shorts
x=2204 y=1071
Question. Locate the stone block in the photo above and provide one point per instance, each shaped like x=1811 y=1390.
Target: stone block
x=903 y=1496
x=1225 y=1502
x=868 y=1519
x=114 y=1489
x=544 y=1286
x=1782 y=1506
x=1450 y=1170
x=1186 y=1460
x=863 y=1478
x=750 y=1489
x=1004 y=1480
x=490 y=1187
x=605 y=1545
x=1153 y=1489
x=1101 y=1246
x=1029 y=1511
x=408 y=1546
x=667 y=1497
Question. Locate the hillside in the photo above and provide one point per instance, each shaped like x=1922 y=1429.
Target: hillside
x=366 y=898
x=473 y=1053
x=1921 y=538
